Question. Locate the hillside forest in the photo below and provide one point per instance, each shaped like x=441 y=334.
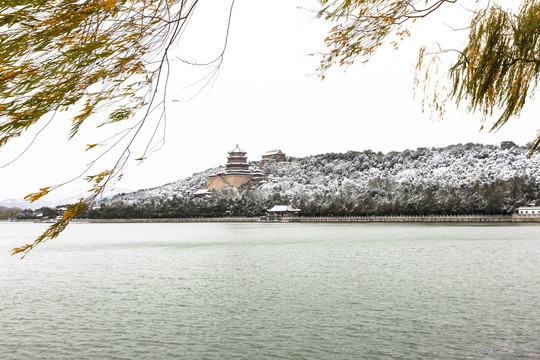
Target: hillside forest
x=454 y=180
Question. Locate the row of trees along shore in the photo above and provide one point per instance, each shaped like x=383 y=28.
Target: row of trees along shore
x=498 y=198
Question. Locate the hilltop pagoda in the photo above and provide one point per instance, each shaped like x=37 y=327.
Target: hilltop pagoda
x=236 y=172
x=237 y=162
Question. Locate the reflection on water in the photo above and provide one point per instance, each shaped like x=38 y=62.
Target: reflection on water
x=255 y=291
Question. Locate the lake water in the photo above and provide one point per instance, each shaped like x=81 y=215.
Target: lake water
x=272 y=291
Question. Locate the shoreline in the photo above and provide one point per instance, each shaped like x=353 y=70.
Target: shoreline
x=337 y=219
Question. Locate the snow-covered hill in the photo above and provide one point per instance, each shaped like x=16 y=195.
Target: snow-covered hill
x=455 y=179
x=181 y=188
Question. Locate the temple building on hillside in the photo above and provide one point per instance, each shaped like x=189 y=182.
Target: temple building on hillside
x=236 y=172
x=273 y=155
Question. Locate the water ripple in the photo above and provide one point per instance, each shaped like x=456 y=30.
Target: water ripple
x=256 y=291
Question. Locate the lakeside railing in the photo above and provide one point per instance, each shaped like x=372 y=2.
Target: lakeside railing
x=339 y=219
x=418 y=218
x=173 y=220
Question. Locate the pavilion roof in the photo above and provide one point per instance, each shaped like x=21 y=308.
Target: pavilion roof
x=283 y=208
x=202 y=191
x=237 y=150
x=274 y=152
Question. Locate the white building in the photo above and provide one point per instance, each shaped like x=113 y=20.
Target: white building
x=529 y=210
x=281 y=212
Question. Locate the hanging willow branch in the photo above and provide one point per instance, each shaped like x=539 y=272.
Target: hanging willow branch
x=498 y=70
x=495 y=74
x=93 y=55
x=364 y=25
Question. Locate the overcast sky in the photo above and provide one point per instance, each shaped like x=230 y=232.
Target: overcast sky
x=267 y=96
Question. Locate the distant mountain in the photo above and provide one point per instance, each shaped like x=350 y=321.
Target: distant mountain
x=456 y=179
x=22 y=204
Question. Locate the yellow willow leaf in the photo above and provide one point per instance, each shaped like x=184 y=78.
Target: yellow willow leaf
x=140 y=159
x=109 y=4
x=7 y=75
x=90 y=146
x=88 y=8
x=35 y=196
x=99 y=177
x=22 y=249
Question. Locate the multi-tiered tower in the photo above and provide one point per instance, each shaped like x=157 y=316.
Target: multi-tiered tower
x=237 y=162
x=236 y=172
